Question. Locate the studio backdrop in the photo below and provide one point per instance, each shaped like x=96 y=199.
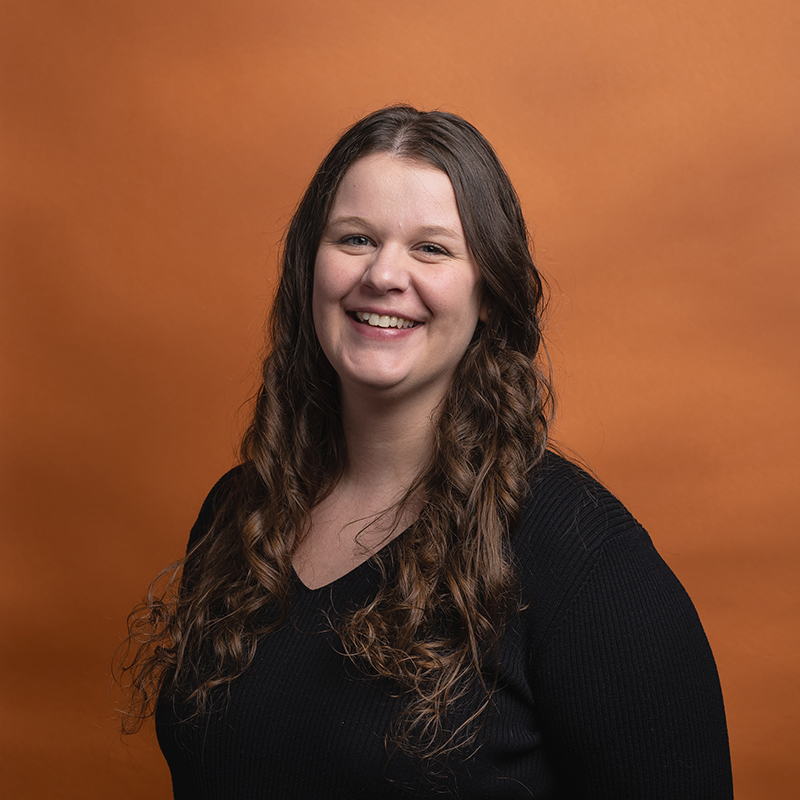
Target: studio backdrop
x=153 y=151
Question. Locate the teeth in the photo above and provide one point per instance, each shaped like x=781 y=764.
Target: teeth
x=384 y=321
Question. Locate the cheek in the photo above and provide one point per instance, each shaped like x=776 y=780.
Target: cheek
x=330 y=281
x=474 y=309
x=470 y=294
x=327 y=293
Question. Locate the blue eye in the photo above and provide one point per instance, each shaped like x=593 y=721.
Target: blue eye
x=356 y=240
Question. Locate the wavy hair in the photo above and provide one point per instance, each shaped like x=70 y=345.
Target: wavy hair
x=432 y=630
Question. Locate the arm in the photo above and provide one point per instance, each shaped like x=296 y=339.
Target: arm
x=627 y=686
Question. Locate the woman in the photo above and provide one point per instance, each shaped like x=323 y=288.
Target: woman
x=400 y=592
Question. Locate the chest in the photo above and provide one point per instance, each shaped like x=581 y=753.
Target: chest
x=343 y=533
x=305 y=721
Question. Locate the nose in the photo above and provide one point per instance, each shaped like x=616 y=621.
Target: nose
x=387 y=270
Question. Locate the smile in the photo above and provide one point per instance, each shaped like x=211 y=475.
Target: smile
x=383 y=320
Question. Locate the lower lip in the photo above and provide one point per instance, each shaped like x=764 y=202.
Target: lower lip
x=376 y=332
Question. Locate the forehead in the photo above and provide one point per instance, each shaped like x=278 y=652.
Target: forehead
x=381 y=184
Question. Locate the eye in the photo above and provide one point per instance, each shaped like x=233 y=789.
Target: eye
x=355 y=240
x=431 y=249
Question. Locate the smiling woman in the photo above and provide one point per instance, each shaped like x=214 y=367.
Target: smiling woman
x=401 y=592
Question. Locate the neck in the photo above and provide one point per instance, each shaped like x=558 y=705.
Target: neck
x=388 y=442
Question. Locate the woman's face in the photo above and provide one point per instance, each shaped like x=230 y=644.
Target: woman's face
x=397 y=293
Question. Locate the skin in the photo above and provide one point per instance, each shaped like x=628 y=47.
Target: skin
x=394 y=247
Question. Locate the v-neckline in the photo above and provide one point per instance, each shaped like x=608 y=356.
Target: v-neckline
x=351 y=572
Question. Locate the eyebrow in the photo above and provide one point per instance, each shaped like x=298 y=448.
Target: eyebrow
x=425 y=230
x=438 y=230
x=347 y=221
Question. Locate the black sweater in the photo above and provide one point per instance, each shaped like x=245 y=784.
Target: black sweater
x=607 y=685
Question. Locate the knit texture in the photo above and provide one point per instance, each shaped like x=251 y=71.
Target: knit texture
x=606 y=685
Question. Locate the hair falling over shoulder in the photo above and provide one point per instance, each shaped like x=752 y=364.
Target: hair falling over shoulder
x=433 y=628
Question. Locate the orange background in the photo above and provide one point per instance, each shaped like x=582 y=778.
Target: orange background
x=152 y=152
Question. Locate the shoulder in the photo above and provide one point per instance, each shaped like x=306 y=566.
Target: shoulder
x=216 y=499
x=572 y=527
x=568 y=508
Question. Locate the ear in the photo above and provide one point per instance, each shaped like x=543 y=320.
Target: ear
x=486 y=309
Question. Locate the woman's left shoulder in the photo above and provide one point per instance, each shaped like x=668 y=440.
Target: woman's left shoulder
x=568 y=508
x=570 y=526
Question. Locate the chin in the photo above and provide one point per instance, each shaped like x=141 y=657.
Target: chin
x=375 y=377
x=377 y=384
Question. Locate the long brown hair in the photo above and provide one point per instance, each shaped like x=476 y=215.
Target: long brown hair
x=432 y=628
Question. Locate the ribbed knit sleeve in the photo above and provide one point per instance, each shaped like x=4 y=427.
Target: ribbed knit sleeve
x=628 y=695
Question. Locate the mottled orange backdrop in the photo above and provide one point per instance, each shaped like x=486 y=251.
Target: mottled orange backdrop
x=152 y=152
